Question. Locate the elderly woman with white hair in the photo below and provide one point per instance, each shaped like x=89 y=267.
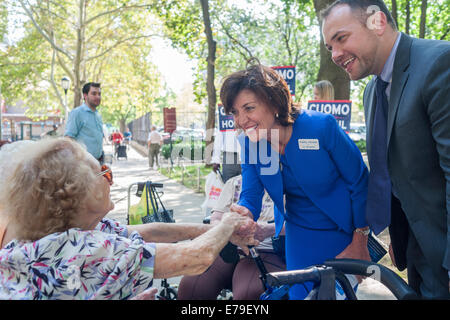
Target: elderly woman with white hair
x=56 y=244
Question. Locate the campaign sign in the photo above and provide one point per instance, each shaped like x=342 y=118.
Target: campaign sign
x=226 y=121
x=170 y=119
x=340 y=109
x=288 y=74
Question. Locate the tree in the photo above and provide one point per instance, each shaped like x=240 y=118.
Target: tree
x=185 y=29
x=24 y=70
x=3 y=20
x=283 y=38
x=210 y=87
x=421 y=18
x=82 y=33
x=133 y=86
x=394 y=11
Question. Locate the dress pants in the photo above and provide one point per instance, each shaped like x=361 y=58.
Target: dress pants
x=421 y=277
x=230 y=166
x=153 y=152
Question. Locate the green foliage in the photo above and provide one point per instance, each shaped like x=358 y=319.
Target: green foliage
x=131 y=88
x=182 y=22
x=165 y=151
x=188 y=176
x=3 y=20
x=196 y=149
x=361 y=144
x=437 y=18
x=24 y=67
x=281 y=34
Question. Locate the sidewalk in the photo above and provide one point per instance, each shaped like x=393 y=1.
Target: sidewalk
x=186 y=206
x=185 y=202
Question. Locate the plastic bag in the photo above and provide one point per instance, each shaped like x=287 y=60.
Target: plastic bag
x=141 y=209
x=213 y=188
x=150 y=208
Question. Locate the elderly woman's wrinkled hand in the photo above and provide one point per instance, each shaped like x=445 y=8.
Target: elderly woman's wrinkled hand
x=241 y=210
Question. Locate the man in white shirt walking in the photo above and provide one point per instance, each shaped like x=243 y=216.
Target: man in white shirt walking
x=154 y=143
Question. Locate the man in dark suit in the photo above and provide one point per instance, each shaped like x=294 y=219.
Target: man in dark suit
x=407 y=111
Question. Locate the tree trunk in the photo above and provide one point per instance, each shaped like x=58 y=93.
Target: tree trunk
x=394 y=11
x=328 y=69
x=444 y=35
x=423 y=18
x=78 y=97
x=408 y=17
x=210 y=88
x=122 y=124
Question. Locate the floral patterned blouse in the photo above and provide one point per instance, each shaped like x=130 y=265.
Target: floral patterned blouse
x=105 y=263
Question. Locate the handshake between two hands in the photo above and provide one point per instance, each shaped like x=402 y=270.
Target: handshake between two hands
x=247 y=232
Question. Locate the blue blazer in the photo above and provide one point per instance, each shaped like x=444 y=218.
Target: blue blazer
x=328 y=165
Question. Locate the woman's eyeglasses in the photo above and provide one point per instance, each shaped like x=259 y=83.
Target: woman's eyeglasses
x=106 y=173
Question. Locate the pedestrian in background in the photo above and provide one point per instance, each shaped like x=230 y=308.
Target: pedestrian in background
x=154 y=144
x=323 y=90
x=85 y=124
x=127 y=136
x=117 y=139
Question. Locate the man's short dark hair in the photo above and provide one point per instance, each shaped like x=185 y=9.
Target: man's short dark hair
x=88 y=86
x=361 y=5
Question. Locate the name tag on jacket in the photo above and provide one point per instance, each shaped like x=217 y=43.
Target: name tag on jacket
x=308 y=144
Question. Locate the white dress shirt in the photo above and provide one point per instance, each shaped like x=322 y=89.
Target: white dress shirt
x=225 y=141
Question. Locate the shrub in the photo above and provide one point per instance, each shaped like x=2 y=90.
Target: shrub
x=196 y=149
x=361 y=144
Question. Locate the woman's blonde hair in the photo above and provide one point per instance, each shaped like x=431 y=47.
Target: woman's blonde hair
x=326 y=90
x=48 y=187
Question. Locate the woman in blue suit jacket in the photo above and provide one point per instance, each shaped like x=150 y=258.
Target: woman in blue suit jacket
x=309 y=166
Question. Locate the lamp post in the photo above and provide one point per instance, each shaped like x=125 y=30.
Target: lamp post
x=65 y=84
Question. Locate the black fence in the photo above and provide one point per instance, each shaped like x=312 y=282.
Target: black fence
x=140 y=128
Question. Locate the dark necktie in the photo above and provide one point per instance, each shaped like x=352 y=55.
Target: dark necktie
x=378 y=212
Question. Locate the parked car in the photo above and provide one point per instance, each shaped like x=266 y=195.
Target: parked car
x=187 y=134
x=183 y=134
x=165 y=135
x=357 y=131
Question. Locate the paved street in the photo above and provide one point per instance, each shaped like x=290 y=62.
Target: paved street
x=186 y=205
